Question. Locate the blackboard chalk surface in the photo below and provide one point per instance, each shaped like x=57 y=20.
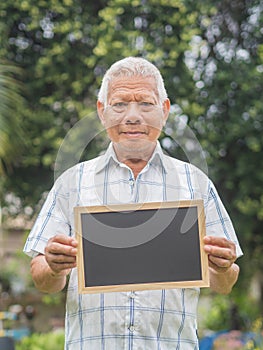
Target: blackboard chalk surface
x=126 y=247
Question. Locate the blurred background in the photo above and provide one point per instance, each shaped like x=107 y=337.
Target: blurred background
x=53 y=55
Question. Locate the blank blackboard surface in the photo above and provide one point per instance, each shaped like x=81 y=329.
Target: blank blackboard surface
x=136 y=247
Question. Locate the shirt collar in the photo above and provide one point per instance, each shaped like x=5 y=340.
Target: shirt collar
x=157 y=158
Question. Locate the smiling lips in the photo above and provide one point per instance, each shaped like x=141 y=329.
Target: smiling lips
x=133 y=133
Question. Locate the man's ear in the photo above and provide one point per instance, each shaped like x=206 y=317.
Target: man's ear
x=100 y=110
x=166 y=110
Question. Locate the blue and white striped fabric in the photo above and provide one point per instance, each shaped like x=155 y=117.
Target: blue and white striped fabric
x=145 y=320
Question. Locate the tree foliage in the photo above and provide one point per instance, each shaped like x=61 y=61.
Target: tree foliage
x=228 y=69
x=209 y=52
x=11 y=140
x=65 y=48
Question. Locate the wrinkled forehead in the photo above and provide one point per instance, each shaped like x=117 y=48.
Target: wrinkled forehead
x=132 y=85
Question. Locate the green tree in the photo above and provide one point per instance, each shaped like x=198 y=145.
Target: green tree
x=43 y=39
x=11 y=101
x=65 y=48
x=227 y=64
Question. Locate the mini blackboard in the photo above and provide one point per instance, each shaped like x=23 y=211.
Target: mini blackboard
x=141 y=246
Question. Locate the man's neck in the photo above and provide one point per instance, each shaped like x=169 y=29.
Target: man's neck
x=136 y=165
x=136 y=160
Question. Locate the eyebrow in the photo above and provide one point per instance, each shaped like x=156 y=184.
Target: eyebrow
x=129 y=96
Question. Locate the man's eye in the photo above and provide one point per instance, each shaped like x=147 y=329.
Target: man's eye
x=146 y=104
x=120 y=104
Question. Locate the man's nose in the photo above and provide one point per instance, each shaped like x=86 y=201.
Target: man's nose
x=132 y=114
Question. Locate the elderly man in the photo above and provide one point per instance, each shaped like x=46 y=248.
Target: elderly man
x=133 y=107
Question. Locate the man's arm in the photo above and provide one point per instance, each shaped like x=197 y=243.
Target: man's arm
x=49 y=271
x=222 y=268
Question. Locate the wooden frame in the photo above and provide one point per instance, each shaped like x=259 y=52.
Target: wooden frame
x=98 y=272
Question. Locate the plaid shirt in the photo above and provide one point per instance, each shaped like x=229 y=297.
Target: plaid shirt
x=141 y=320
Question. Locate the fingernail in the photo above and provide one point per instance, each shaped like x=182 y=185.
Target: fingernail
x=207 y=248
x=74 y=243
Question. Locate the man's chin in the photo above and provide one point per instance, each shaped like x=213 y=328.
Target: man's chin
x=135 y=148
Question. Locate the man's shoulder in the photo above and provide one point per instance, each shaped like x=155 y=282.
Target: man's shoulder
x=171 y=163
x=82 y=167
x=186 y=169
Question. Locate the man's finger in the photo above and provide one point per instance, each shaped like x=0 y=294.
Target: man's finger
x=224 y=253
x=60 y=258
x=63 y=239
x=219 y=241
x=57 y=248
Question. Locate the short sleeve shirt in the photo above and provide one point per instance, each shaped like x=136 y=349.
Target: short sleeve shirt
x=141 y=320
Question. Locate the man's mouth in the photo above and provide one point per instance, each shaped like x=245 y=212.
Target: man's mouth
x=133 y=134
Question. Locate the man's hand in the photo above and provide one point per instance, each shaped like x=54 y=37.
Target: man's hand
x=221 y=253
x=223 y=270
x=60 y=254
x=49 y=271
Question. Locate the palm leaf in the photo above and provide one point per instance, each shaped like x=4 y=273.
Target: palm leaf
x=11 y=102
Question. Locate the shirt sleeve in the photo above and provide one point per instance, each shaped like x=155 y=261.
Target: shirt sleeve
x=218 y=222
x=52 y=220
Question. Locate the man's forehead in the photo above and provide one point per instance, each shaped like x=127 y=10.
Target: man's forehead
x=126 y=84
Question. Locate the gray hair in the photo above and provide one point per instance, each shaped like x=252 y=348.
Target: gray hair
x=128 y=67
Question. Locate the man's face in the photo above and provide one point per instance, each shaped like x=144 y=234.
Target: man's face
x=133 y=116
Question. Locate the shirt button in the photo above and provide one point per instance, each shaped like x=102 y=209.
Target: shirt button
x=132 y=295
x=131 y=182
x=131 y=328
